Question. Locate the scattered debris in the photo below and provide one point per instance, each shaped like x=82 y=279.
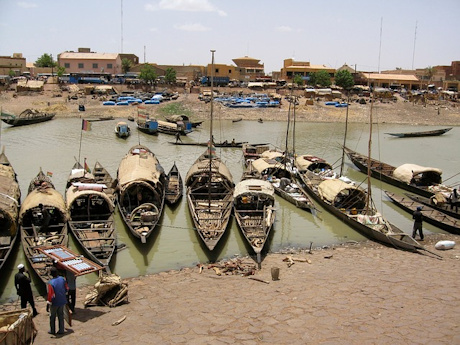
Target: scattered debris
x=291 y=260
x=234 y=267
x=259 y=280
x=116 y=323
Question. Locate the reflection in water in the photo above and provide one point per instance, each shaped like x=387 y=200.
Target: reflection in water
x=174 y=244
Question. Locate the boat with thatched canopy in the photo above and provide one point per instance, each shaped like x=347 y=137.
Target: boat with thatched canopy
x=10 y=198
x=43 y=222
x=141 y=191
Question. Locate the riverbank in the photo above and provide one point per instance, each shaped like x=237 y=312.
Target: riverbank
x=356 y=293
x=400 y=112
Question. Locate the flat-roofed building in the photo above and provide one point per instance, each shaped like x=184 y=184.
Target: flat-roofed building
x=250 y=68
x=85 y=61
x=386 y=80
x=292 y=68
x=15 y=63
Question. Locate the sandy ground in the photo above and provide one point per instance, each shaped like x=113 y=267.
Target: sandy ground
x=362 y=293
x=402 y=112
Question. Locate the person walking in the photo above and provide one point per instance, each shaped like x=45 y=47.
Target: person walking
x=454 y=200
x=23 y=288
x=418 y=220
x=56 y=301
x=178 y=137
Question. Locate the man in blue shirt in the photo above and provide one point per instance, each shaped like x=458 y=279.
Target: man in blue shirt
x=57 y=299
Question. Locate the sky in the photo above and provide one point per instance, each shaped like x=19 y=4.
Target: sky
x=371 y=35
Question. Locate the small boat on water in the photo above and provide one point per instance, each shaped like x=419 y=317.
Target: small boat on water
x=174 y=186
x=102 y=118
x=10 y=199
x=225 y=143
x=254 y=209
x=91 y=206
x=432 y=133
x=351 y=205
x=148 y=126
x=166 y=127
x=424 y=181
x=430 y=215
x=122 y=130
x=251 y=152
x=27 y=117
x=237 y=120
x=43 y=222
x=283 y=180
x=438 y=202
x=141 y=191
x=182 y=122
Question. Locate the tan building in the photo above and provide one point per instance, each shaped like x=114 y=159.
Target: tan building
x=15 y=63
x=302 y=68
x=386 y=80
x=85 y=61
x=250 y=69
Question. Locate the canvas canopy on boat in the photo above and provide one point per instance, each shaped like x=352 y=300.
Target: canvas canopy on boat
x=79 y=190
x=407 y=172
x=272 y=154
x=265 y=164
x=202 y=165
x=330 y=189
x=307 y=162
x=140 y=166
x=9 y=194
x=253 y=186
x=35 y=198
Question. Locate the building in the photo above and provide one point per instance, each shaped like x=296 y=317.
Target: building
x=85 y=61
x=250 y=69
x=386 y=80
x=292 y=68
x=15 y=64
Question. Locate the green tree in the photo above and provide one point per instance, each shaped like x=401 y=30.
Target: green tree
x=60 y=71
x=11 y=73
x=148 y=74
x=344 y=79
x=126 y=65
x=321 y=78
x=170 y=75
x=298 y=80
x=46 y=60
x=429 y=72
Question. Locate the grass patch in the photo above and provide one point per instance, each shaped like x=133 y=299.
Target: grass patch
x=176 y=108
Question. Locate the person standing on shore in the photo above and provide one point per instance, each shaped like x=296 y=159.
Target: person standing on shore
x=23 y=288
x=56 y=301
x=72 y=284
x=418 y=221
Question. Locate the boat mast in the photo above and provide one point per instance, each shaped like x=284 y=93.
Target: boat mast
x=345 y=135
x=369 y=197
x=211 y=139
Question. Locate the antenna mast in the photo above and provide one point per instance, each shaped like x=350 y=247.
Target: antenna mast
x=122 y=26
x=415 y=38
x=380 y=47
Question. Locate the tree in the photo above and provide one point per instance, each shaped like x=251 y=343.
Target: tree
x=344 y=79
x=298 y=80
x=170 y=75
x=321 y=78
x=46 y=60
x=429 y=72
x=60 y=71
x=126 y=65
x=148 y=74
x=11 y=73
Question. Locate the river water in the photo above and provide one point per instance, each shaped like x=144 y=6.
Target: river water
x=55 y=145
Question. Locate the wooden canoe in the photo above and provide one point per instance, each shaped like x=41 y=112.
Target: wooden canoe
x=27 y=117
x=10 y=199
x=430 y=215
x=432 y=133
x=91 y=207
x=174 y=186
x=442 y=207
x=141 y=191
x=43 y=222
x=425 y=183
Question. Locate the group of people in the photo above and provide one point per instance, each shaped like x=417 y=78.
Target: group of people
x=61 y=292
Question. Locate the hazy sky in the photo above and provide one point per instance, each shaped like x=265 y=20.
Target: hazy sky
x=370 y=34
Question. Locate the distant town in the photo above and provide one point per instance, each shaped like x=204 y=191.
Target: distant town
x=87 y=67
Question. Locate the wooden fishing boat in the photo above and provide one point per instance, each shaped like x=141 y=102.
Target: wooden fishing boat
x=251 y=152
x=438 y=202
x=430 y=215
x=173 y=128
x=149 y=126
x=196 y=124
x=141 y=191
x=221 y=144
x=209 y=192
x=182 y=122
x=102 y=118
x=237 y=120
x=174 y=186
x=432 y=133
x=27 y=117
x=414 y=178
x=351 y=205
x=122 y=130
x=91 y=207
x=43 y=222
x=283 y=180
x=10 y=199
x=254 y=209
